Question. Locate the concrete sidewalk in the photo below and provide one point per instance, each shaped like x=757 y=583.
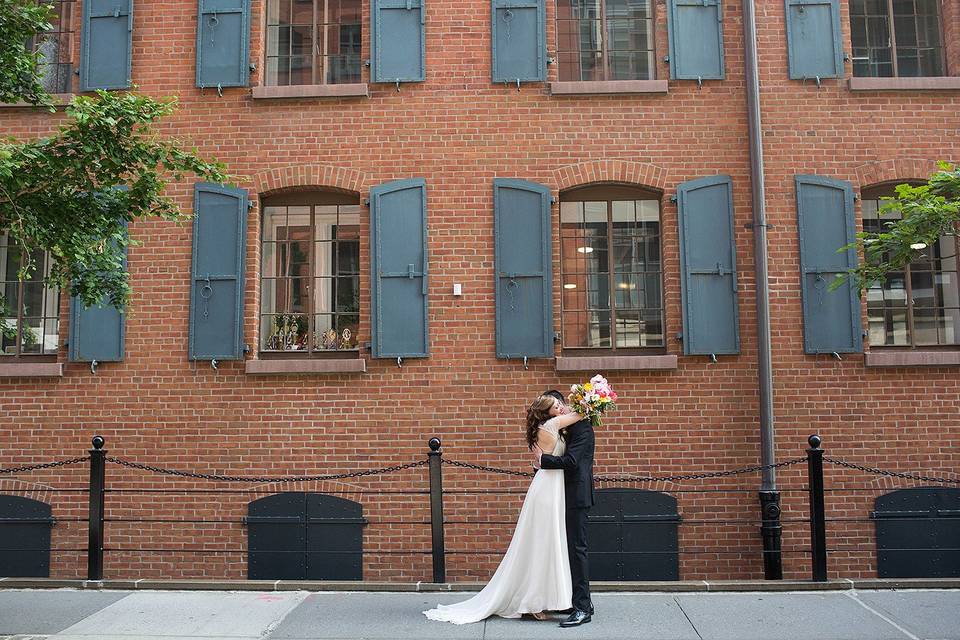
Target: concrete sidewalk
x=69 y=614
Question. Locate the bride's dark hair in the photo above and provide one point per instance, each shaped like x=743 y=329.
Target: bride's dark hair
x=537 y=414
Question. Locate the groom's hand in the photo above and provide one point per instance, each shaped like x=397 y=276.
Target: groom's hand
x=537 y=452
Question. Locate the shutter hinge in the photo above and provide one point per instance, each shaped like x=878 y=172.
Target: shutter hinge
x=553 y=199
x=252 y=66
x=366 y=202
x=712 y=358
x=673 y=198
x=93 y=366
x=250 y=205
x=680 y=337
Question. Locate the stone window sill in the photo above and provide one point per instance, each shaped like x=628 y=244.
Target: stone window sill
x=306 y=366
x=60 y=100
x=311 y=91
x=607 y=87
x=613 y=363
x=905 y=84
x=878 y=358
x=31 y=370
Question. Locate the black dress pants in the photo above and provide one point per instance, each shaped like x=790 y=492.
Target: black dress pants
x=577 y=552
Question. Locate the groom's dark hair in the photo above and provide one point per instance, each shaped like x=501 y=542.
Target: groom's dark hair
x=555 y=394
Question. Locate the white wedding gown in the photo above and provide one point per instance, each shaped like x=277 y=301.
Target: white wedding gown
x=534 y=574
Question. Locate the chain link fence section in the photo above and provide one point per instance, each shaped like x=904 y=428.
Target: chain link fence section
x=266 y=480
x=44 y=465
x=673 y=478
x=892 y=474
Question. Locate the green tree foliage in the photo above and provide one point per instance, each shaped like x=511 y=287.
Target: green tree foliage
x=928 y=212
x=61 y=193
x=20 y=22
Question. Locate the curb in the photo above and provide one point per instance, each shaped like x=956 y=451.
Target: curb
x=713 y=586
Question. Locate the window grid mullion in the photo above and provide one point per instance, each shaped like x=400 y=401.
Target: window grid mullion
x=312 y=281
x=891 y=31
x=907 y=276
x=604 y=58
x=17 y=347
x=611 y=296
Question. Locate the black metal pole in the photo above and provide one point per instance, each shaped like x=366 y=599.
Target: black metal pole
x=772 y=532
x=818 y=524
x=436 y=511
x=95 y=538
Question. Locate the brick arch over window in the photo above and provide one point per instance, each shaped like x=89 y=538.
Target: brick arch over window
x=311 y=175
x=895 y=170
x=622 y=171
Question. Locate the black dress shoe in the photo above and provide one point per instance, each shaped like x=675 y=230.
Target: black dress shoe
x=570 y=610
x=576 y=619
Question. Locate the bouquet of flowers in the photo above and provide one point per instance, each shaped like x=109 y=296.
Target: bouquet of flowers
x=591 y=399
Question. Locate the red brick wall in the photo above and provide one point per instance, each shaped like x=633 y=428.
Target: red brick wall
x=459 y=131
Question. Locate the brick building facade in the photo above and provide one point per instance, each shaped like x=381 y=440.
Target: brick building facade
x=611 y=133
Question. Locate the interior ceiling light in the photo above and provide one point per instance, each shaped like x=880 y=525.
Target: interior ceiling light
x=585 y=249
x=569 y=285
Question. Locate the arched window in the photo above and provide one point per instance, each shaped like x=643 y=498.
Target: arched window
x=310 y=273
x=919 y=306
x=610 y=268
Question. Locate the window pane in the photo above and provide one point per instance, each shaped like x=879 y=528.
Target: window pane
x=323 y=292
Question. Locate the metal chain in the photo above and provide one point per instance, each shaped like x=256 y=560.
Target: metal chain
x=45 y=465
x=894 y=474
x=478 y=467
x=257 y=479
x=674 y=478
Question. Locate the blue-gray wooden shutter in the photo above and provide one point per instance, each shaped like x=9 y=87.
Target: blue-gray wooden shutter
x=98 y=332
x=695 y=31
x=519 y=40
x=223 y=37
x=106 y=44
x=398 y=41
x=815 y=49
x=398 y=261
x=831 y=319
x=708 y=265
x=523 y=260
x=216 y=294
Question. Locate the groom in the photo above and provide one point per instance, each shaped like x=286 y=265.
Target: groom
x=577 y=465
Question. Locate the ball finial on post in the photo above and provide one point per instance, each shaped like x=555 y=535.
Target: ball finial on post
x=814 y=441
x=434 y=444
x=98 y=442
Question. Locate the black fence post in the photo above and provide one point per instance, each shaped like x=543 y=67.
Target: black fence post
x=818 y=524
x=95 y=528
x=436 y=511
x=772 y=533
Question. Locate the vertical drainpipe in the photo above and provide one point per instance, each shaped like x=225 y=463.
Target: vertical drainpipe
x=770 y=528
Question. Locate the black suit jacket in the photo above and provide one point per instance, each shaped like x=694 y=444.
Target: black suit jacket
x=577 y=464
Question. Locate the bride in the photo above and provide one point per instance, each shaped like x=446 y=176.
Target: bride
x=534 y=575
